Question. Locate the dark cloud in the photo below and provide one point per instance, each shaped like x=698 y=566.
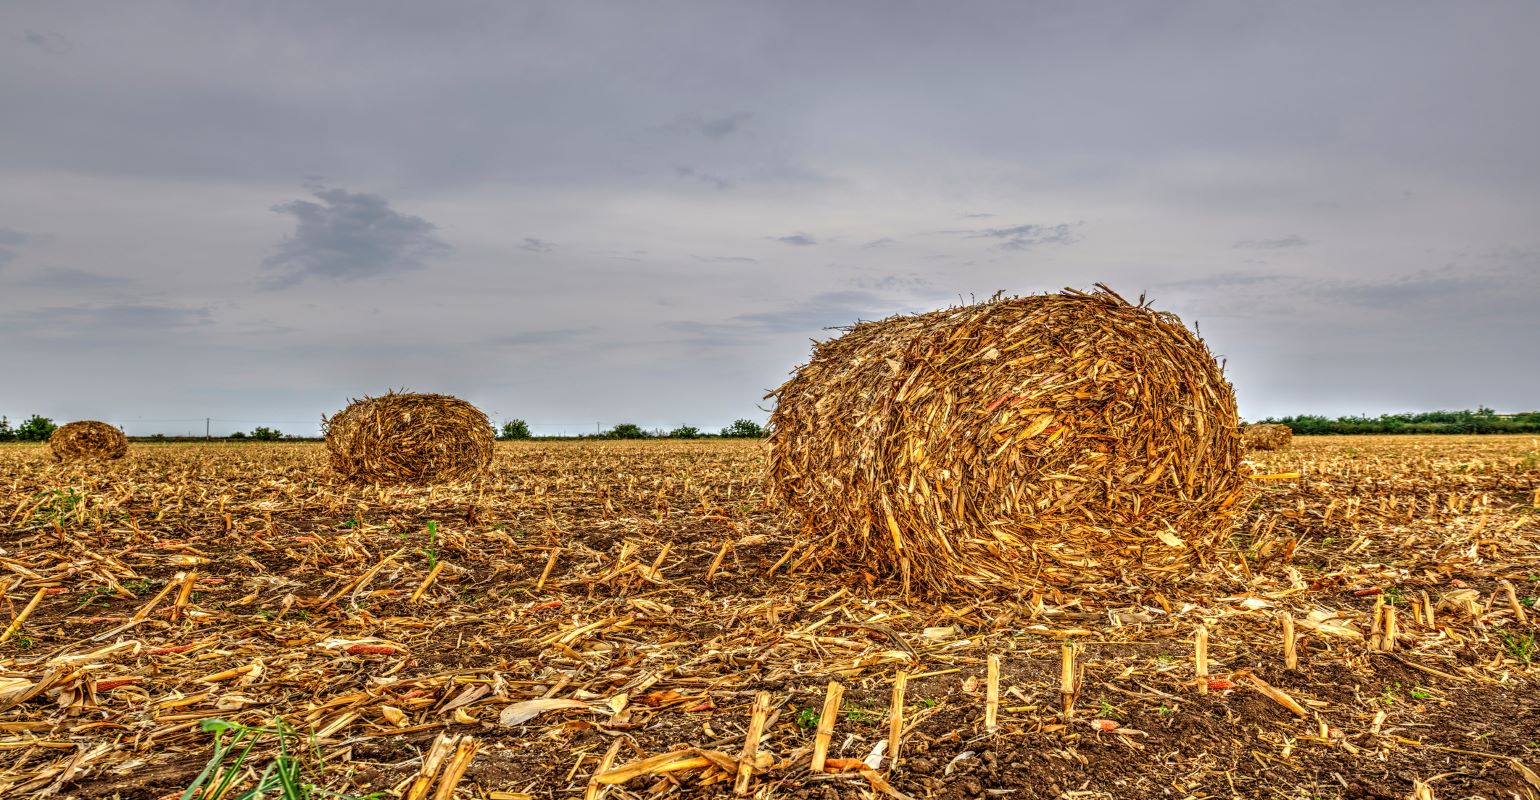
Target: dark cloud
x=106 y=324
x=821 y=311
x=883 y=242
x=1024 y=237
x=536 y=245
x=797 y=240
x=1283 y=242
x=71 y=278
x=718 y=128
x=539 y=338
x=1223 y=280
x=350 y=236
x=8 y=240
x=1442 y=289
x=912 y=283
x=714 y=181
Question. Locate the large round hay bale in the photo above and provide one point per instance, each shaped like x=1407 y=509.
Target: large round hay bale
x=406 y=438
x=87 y=439
x=1267 y=436
x=1052 y=439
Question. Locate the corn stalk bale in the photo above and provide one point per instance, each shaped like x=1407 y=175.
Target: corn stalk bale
x=409 y=438
x=1055 y=439
x=1267 y=436
x=87 y=439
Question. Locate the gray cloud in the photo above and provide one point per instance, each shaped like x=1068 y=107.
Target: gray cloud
x=350 y=236
x=536 y=245
x=797 y=240
x=721 y=127
x=539 y=338
x=152 y=155
x=1220 y=281
x=8 y=240
x=714 y=181
x=106 y=324
x=71 y=278
x=1292 y=240
x=1025 y=237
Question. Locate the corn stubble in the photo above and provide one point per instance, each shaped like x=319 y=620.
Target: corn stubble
x=1266 y=436
x=1054 y=439
x=589 y=593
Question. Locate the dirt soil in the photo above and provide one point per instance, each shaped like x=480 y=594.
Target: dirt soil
x=651 y=587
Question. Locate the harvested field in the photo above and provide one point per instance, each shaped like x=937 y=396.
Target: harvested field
x=614 y=619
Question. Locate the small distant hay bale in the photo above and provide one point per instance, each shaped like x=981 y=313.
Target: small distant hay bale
x=1056 y=439
x=1267 y=436
x=408 y=438
x=88 y=439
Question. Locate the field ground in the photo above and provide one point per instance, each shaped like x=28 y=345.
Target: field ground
x=641 y=591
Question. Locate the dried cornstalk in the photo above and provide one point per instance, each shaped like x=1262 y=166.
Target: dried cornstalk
x=747 y=760
x=826 y=720
x=992 y=694
x=896 y=719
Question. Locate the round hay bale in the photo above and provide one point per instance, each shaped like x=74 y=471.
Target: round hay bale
x=1054 y=439
x=1267 y=436
x=406 y=438
x=87 y=439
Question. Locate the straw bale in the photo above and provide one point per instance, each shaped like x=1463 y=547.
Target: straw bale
x=1055 y=439
x=88 y=439
x=409 y=438
x=1267 y=436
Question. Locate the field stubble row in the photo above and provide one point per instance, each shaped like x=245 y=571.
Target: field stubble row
x=600 y=617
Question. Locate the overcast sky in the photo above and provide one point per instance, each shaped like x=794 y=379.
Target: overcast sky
x=582 y=212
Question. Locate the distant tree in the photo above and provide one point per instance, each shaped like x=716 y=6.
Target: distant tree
x=238 y=435
x=514 y=429
x=744 y=429
x=626 y=430
x=35 y=429
x=685 y=432
x=262 y=434
x=6 y=434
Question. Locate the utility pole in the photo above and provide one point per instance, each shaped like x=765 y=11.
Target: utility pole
x=206 y=421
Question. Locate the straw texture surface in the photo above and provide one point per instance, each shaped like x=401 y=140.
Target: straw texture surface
x=88 y=439
x=1267 y=436
x=407 y=438
x=1055 y=439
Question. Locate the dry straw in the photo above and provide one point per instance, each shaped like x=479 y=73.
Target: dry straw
x=405 y=438
x=1267 y=436
x=88 y=439
x=1054 y=439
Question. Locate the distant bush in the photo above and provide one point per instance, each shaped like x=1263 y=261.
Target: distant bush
x=685 y=432
x=35 y=429
x=744 y=429
x=262 y=434
x=238 y=435
x=6 y=433
x=514 y=429
x=626 y=430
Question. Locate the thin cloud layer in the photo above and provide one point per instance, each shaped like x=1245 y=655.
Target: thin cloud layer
x=533 y=208
x=350 y=236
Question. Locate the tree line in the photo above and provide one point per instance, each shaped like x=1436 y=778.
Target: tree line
x=740 y=429
x=1482 y=420
x=38 y=428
